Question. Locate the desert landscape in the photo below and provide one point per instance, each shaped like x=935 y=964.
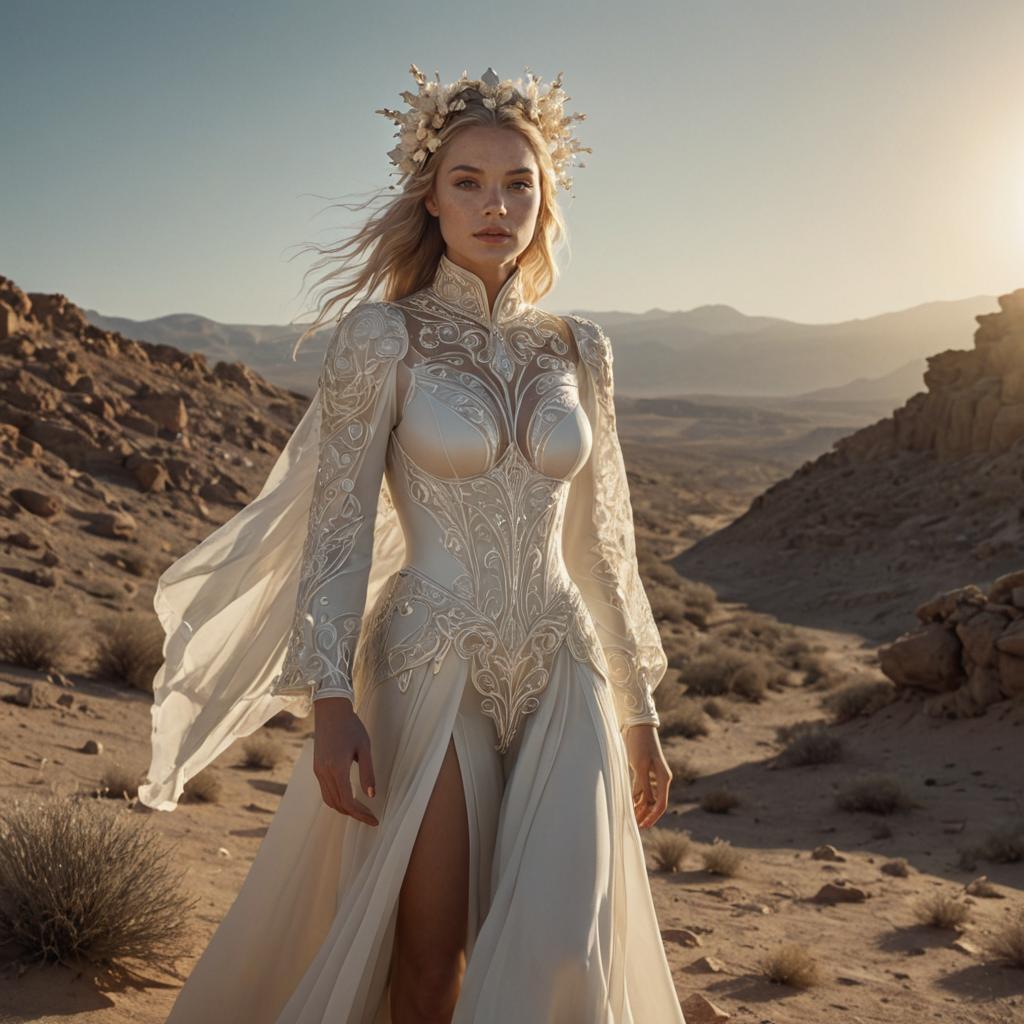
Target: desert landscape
x=841 y=596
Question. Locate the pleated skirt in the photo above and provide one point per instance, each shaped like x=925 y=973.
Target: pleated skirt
x=562 y=926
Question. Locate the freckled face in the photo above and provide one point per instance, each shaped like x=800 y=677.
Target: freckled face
x=487 y=178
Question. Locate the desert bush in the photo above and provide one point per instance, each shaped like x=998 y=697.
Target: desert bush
x=667 y=848
x=119 y=783
x=684 y=719
x=713 y=708
x=261 y=751
x=719 y=670
x=791 y=965
x=719 y=801
x=859 y=699
x=941 y=910
x=899 y=867
x=699 y=599
x=683 y=771
x=1007 y=942
x=722 y=858
x=809 y=743
x=81 y=882
x=204 y=788
x=37 y=638
x=289 y=722
x=129 y=649
x=1004 y=845
x=875 y=794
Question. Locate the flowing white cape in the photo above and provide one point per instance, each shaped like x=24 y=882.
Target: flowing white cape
x=226 y=608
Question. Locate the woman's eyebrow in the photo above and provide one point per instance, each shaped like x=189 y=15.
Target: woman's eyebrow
x=476 y=170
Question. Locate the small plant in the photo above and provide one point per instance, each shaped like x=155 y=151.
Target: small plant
x=261 y=751
x=129 y=649
x=37 y=639
x=809 y=743
x=684 y=719
x=713 y=708
x=859 y=699
x=899 y=867
x=667 y=848
x=1004 y=845
x=118 y=783
x=204 y=788
x=722 y=858
x=1008 y=941
x=875 y=794
x=941 y=910
x=791 y=965
x=719 y=801
x=81 y=882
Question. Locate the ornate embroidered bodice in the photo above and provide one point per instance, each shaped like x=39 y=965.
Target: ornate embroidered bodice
x=493 y=433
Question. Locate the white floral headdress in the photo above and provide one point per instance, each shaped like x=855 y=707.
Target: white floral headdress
x=420 y=125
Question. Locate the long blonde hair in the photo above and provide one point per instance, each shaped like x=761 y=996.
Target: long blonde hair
x=402 y=242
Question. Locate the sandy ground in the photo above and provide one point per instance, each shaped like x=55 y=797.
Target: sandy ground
x=877 y=964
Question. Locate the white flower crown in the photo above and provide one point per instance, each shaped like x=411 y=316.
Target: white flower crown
x=419 y=126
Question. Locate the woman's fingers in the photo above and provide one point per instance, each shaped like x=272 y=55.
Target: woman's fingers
x=366 y=779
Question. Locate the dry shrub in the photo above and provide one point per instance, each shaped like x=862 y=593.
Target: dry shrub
x=204 y=788
x=1007 y=942
x=699 y=599
x=720 y=670
x=875 y=794
x=262 y=751
x=129 y=649
x=722 y=858
x=38 y=638
x=683 y=771
x=941 y=910
x=719 y=801
x=713 y=708
x=684 y=719
x=79 y=882
x=140 y=563
x=1004 y=845
x=667 y=848
x=809 y=743
x=791 y=965
x=859 y=699
x=119 y=783
x=899 y=867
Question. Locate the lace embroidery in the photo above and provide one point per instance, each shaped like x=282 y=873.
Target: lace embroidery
x=357 y=377
x=611 y=581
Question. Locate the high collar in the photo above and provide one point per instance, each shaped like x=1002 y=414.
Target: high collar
x=467 y=293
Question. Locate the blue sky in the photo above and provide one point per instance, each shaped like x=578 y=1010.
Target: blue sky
x=810 y=160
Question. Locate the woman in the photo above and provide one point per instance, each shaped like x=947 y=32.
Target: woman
x=468 y=626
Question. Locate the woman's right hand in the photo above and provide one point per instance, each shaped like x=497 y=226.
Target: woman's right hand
x=339 y=738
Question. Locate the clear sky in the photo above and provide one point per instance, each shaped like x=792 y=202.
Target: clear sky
x=810 y=160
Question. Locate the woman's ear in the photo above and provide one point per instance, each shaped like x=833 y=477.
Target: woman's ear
x=431 y=205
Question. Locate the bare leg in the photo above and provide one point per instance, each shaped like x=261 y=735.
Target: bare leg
x=430 y=933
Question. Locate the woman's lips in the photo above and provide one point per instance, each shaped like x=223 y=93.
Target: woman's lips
x=493 y=238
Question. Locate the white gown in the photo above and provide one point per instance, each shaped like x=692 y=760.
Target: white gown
x=468 y=570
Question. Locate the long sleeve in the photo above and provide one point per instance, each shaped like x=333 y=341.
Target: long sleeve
x=357 y=390
x=600 y=545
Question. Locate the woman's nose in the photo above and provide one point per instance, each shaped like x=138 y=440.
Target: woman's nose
x=494 y=201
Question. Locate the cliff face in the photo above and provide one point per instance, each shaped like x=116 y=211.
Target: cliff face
x=974 y=404
x=117 y=455
x=923 y=501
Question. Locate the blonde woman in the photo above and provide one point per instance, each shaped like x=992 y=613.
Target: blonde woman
x=441 y=566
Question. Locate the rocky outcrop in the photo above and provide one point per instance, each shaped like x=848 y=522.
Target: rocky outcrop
x=970 y=649
x=116 y=452
x=902 y=509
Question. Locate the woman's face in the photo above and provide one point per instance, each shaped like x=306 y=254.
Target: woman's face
x=487 y=178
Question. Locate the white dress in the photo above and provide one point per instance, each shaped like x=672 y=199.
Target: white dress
x=464 y=567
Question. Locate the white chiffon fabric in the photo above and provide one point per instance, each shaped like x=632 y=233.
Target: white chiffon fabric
x=264 y=615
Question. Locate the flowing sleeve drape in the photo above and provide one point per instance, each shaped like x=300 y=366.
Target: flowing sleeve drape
x=247 y=613
x=358 y=409
x=600 y=545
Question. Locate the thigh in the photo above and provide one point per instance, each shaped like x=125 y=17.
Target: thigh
x=433 y=902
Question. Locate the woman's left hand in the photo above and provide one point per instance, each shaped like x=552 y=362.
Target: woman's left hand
x=651 y=773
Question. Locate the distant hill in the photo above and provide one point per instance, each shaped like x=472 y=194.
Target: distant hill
x=711 y=349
